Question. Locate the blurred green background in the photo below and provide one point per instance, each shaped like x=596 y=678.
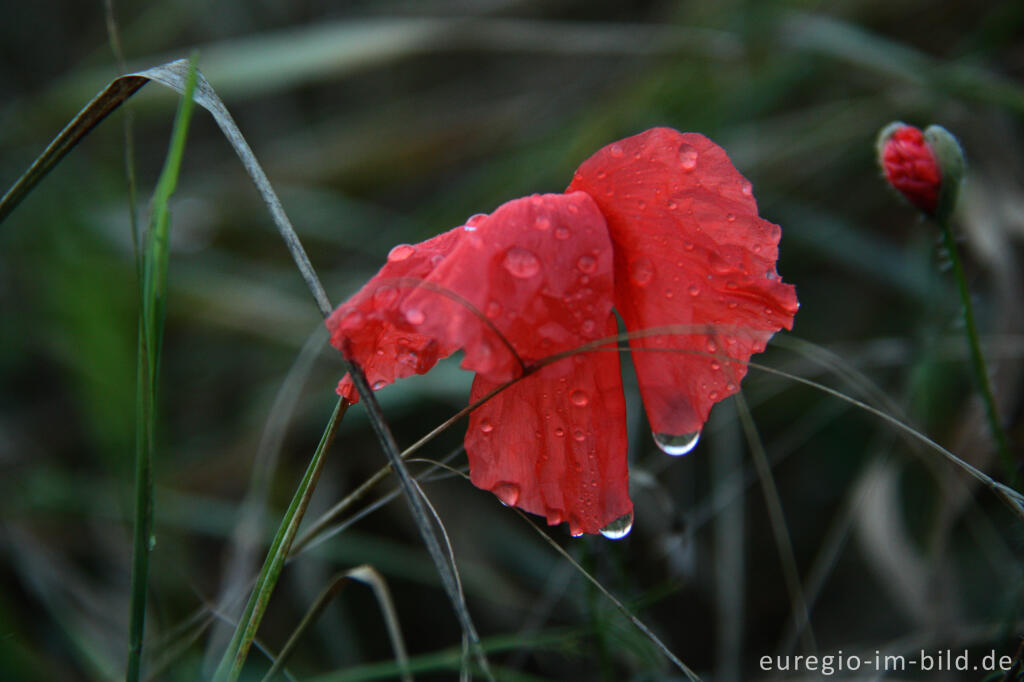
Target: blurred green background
x=385 y=122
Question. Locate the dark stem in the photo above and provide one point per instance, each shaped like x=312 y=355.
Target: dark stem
x=977 y=359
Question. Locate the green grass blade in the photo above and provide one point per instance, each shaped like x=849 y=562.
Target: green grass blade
x=151 y=322
x=230 y=666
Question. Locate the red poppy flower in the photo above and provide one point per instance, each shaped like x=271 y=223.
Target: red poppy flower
x=911 y=167
x=662 y=227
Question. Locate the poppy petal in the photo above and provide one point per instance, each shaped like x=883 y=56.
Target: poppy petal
x=368 y=328
x=509 y=289
x=523 y=283
x=554 y=442
x=692 y=254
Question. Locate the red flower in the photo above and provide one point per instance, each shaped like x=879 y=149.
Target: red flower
x=660 y=225
x=911 y=167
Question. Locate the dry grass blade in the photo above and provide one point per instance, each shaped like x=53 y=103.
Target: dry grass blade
x=778 y=522
x=416 y=503
x=368 y=576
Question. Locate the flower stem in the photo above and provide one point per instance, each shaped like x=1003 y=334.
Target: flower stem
x=977 y=359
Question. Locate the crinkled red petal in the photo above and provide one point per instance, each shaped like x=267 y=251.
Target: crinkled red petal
x=694 y=268
x=369 y=328
x=554 y=443
x=532 y=279
x=509 y=289
x=911 y=167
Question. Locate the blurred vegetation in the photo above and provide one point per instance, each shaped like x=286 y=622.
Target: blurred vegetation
x=386 y=122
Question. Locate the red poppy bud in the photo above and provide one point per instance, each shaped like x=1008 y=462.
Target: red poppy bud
x=925 y=167
x=910 y=166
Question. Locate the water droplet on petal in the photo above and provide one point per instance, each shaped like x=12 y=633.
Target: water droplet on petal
x=385 y=295
x=731 y=217
x=588 y=327
x=587 y=263
x=493 y=309
x=579 y=398
x=561 y=232
x=672 y=205
x=694 y=290
x=747 y=188
x=379 y=384
x=507 y=493
x=409 y=358
x=668 y=293
x=676 y=445
x=486 y=426
x=712 y=346
x=559 y=432
x=619 y=528
x=578 y=435
x=641 y=271
x=713 y=395
x=542 y=223
x=401 y=252
x=414 y=316
x=521 y=263
x=475 y=219
x=575 y=528
x=615 y=150
x=687 y=157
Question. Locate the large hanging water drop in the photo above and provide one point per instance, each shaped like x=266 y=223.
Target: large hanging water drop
x=619 y=528
x=676 y=445
x=507 y=493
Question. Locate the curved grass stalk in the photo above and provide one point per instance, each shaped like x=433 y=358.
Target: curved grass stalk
x=369 y=576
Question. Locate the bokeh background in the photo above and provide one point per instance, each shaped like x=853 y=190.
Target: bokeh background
x=387 y=122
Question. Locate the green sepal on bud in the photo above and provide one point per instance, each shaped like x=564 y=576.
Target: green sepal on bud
x=950 y=157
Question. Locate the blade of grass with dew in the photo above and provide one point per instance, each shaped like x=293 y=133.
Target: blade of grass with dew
x=151 y=323
x=368 y=576
x=234 y=657
x=173 y=75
